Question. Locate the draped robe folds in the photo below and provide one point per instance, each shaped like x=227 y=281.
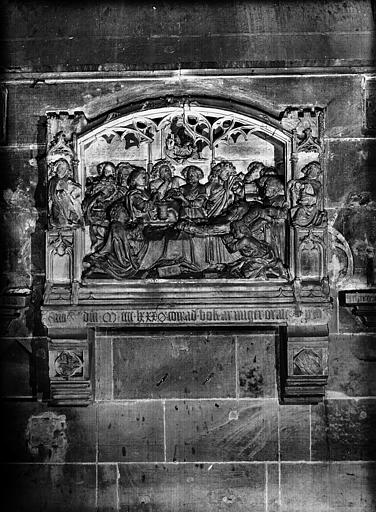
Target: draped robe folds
x=213 y=230
x=195 y=196
x=220 y=198
x=306 y=212
x=139 y=204
x=64 y=196
x=121 y=253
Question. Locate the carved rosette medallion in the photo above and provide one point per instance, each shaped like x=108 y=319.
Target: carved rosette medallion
x=307 y=362
x=69 y=372
x=68 y=364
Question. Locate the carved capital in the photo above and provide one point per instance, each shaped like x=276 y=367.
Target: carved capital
x=66 y=123
x=307 y=125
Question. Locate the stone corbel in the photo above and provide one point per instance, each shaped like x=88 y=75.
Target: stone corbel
x=304 y=364
x=69 y=372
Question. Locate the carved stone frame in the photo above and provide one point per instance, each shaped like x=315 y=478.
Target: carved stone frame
x=300 y=307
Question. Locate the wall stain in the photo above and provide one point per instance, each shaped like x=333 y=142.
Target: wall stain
x=46 y=436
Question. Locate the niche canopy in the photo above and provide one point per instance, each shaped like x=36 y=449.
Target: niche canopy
x=186 y=214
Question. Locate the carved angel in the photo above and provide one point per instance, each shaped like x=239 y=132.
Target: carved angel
x=180 y=145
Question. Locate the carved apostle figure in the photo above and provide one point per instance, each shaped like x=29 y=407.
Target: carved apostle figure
x=192 y=195
x=139 y=201
x=258 y=258
x=163 y=180
x=273 y=192
x=123 y=170
x=251 y=182
x=305 y=197
x=120 y=254
x=221 y=189
x=100 y=194
x=64 y=197
x=105 y=171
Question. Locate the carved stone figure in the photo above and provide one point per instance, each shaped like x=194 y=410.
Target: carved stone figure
x=101 y=192
x=259 y=260
x=192 y=195
x=251 y=187
x=180 y=145
x=305 y=196
x=64 y=197
x=163 y=229
x=139 y=201
x=162 y=179
x=121 y=254
x=221 y=188
x=123 y=170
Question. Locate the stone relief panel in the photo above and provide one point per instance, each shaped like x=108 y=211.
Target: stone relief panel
x=189 y=215
x=185 y=193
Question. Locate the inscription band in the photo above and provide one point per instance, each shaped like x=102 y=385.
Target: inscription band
x=83 y=317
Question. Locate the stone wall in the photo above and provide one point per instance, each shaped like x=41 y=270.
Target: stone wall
x=193 y=425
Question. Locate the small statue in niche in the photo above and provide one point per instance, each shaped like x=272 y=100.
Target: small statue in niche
x=180 y=145
x=64 y=196
x=305 y=196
